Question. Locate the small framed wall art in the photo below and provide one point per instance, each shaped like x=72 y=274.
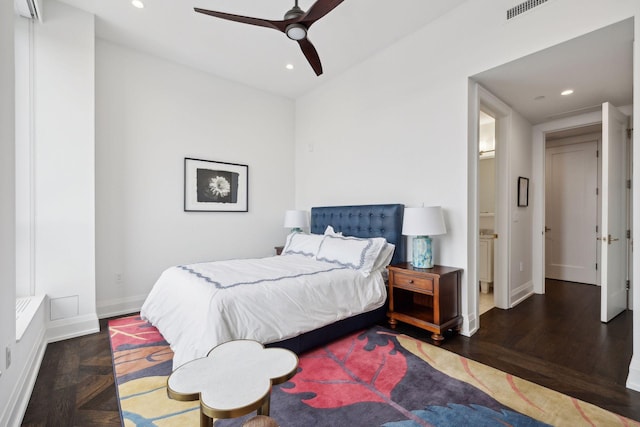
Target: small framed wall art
x=211 y=186
x=523 y=191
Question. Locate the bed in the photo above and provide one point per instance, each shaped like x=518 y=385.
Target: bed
x=324 y=285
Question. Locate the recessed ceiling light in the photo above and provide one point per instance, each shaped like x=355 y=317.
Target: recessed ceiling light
x=289 y=66
x=566 y=92
x=137 y=3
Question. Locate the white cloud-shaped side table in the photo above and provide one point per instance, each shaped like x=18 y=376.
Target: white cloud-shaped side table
x=234 y=379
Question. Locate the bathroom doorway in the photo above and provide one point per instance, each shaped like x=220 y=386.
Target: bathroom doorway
x=487 y=209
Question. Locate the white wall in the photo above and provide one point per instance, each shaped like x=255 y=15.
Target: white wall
x=394 y=128
x=25 y=279
x=487 y=192
x=8 y=378
x=151 y=114
x=16 y=380
x=521 y=224
x=64 y=169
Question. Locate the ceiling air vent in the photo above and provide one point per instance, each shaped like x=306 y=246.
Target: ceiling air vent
x=523 y=7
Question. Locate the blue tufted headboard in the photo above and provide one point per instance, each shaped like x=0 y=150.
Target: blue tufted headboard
x=363 y=221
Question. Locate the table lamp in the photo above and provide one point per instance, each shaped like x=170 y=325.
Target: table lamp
x=422 y=223
x=296 y=220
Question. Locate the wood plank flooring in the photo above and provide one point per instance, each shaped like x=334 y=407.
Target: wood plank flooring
x=75 y=384
x=555 y=340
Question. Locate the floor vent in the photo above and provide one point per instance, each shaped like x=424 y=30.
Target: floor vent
x=523 y=7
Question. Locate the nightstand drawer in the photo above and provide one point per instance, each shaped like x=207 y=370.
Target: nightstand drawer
x=411 y=282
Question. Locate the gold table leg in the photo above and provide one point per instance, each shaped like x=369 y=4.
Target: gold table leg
x=205 y=421
x=266 y=404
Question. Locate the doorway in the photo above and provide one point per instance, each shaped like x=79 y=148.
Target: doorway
x=487 y=208
x=532 y=87
x=572 y=204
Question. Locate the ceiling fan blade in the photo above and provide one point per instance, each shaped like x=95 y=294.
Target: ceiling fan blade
x=311 y=54
x=276 y=25
x=318 y=10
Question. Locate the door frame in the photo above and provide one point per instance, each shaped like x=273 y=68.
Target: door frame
x=570 y=142
x=480 y=98
x=538 y=175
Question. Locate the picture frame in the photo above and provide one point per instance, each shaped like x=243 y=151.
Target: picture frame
x=523 y=191
x=213 y=186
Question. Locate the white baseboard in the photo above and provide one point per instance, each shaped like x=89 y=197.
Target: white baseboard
x=119 y=306
x=17 y=405
x=521 y=293
x=58 y=330
x=469 y=325
x=633 y=380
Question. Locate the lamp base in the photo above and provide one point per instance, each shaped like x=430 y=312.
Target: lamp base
x=422 y=254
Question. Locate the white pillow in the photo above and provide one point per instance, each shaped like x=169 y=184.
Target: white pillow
x=385 y=257
x=331 y=232
x=302 y=244
x=352 y=252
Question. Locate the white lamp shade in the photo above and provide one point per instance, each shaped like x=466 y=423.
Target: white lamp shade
x=425 y=221
x=296 y=219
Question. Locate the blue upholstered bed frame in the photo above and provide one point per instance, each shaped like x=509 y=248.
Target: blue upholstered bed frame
x=360 y=221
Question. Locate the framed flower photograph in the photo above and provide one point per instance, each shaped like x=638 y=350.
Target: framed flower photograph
x=211 y=186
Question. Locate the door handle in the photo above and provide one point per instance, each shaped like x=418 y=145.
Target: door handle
x=609 y=239
x=547 y=228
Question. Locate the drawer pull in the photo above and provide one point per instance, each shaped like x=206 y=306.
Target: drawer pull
x=411 y=281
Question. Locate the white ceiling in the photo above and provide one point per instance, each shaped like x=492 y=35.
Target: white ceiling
x=597 y=66
x=257 y=56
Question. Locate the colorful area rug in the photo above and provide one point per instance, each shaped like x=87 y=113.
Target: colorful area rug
x=372 y=378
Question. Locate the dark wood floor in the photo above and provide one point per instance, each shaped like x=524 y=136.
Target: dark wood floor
x=555 y=340
x=75 y=385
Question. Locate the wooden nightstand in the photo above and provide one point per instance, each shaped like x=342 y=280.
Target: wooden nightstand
x=428 y=298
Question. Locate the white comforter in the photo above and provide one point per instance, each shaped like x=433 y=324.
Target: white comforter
x=198 y=306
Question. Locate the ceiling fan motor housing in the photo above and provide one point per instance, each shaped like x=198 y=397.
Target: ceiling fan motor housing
x=294 y=13
x=295 y=31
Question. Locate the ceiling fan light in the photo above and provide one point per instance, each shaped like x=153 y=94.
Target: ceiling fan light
x=296 y=31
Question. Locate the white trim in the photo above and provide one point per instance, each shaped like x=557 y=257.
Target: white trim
x=470 y=302
x=480 y=98
x=538 y=175
x=24 y=319
x=63 y=329
x=17 y=406
x=633 y=380
x=119 y=306
x=502 y=247
x=472 y=325
x=521 y=293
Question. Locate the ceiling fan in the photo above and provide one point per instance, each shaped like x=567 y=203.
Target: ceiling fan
x=295 y=25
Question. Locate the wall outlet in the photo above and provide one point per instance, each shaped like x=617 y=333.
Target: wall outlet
x=118 y=278
x=521 y=266
x=8 y=357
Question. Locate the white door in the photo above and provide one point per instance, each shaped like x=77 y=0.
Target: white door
x=613 y=256
x=571 y=212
